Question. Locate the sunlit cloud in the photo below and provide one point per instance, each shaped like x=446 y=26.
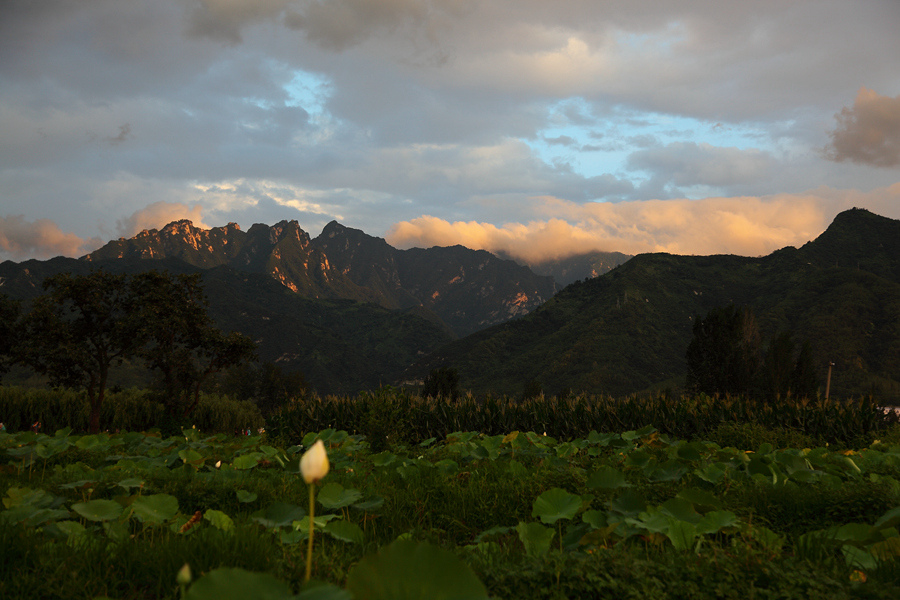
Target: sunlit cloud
x=750 y=226
x=158 y=215
x=41 y=238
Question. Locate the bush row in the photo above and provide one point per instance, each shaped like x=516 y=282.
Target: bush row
x=390 y=415
x=126 y=410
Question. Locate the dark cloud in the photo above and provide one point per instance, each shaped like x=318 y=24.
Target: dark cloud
x=869 y=132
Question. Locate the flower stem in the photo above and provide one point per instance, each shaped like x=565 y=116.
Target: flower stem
x=312 y=526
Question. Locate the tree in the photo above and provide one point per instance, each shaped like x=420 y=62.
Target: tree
x=442 y=383
x=9 y=332
x=723 y=356
x=179 y=338
x=787 y=372
x=778 y=367
x=805 y=379
x=267 y=384
x=78 y=329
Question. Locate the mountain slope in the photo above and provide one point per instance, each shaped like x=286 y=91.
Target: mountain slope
x=461 y=288
x=628 y=330
x=341 y=346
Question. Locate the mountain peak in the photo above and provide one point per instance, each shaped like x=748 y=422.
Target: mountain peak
x=334 y=228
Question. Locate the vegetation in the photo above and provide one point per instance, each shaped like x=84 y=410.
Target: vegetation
x=630 y=514
x=627 y=331
x=725 y=357
x=85 y=324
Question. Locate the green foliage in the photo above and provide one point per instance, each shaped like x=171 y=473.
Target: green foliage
x=442 y=382
x=627 y=331
x=126 y=410
x=392 y=416
x=85 y=324
x=9 y=331
x=723 y=356
x=268 y=385
x=126 y=512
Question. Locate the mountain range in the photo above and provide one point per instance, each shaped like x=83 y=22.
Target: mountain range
x=345 y=308
x=351 y=312
x=627 y=331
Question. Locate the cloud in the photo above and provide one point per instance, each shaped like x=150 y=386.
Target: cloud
x=689 y=164
x=157 y=215
x=749 y=226
x=40 y=238
x=222 y=20
x=868 y=133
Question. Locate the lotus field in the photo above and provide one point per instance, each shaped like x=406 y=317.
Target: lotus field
x=636 y=514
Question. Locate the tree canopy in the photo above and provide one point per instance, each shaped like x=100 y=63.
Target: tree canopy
x=84 y=324
x=726 y=357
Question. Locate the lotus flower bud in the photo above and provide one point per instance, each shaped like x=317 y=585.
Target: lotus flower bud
x=314 y=463
x=184 y=575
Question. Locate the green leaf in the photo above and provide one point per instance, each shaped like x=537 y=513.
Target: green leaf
x=556 y=504
x=700 y=498
x=535 y=537
x=131 y=482
x=278 y=514
x=767 y=538
x=246 y=461
x=191 y=457
x=715 y=521
x=889 y=519
x=682 y=534
x=155 y=509
x=98 y=510
x=629 y=504
x=238 y=584
x=595 y=518
x=859 y=558
x=335 y=496
x=607 y=478
x=320 y=522
x=219 y=520
x=671 y=470
x=344 y=531
x=383 y=459
x=245 y=496
x=680 y=509
x=409 y=571
x=316 y=590
x=373 y=503
x=71 y=528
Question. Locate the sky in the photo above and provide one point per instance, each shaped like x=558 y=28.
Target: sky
x=536 y=128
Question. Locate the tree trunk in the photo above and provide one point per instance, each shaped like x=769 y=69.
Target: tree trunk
x=96 y=397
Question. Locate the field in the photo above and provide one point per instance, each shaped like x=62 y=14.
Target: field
x=631 y=514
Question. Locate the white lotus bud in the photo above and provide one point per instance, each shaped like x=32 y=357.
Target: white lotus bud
x=314 y=463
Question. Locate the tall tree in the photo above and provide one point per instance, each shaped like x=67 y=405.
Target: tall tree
x=442 y=382
x=179 y=338
x=723 y=356
x=9 y=331
x=778 y=367
x=788 y=372
x=78 y=329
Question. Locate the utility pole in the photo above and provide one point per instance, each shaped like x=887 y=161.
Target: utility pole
x=828 y=382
